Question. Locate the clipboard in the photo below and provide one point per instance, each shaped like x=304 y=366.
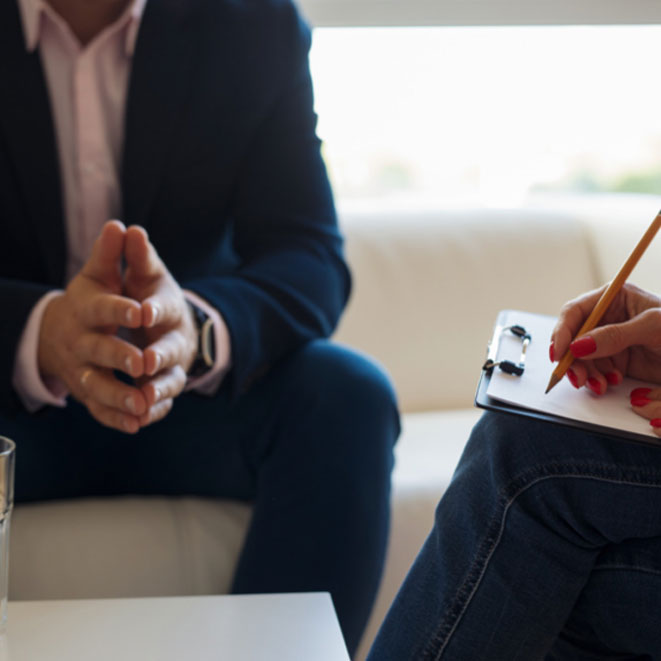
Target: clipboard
x=569 y=407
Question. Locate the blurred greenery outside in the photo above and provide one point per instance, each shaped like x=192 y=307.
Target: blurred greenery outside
x=636 y=181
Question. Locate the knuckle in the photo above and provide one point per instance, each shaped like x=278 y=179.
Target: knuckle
x=117 y=420
x=179 y=377
x=653 y=319
x=120 y=397
x=96 y=345
x=615 y=337
x=118 y=357
x=164 y=408
x=78 y=347
x=95 y=316
x=566 y=307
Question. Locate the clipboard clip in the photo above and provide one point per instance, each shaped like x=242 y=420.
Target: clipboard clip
x=507 y=366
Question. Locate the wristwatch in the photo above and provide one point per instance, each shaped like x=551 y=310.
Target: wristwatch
x=206 y=344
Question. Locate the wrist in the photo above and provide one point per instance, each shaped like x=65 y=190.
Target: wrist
x=46 y=353
x=203 y=359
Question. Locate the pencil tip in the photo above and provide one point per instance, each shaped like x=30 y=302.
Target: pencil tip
x=552 y=383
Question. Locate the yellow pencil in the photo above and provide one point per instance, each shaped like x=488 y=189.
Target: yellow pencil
x=607 y=297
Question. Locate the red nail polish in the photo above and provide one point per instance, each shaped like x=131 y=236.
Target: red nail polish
x=573 y=379
x=583 y=347
x=640 y=392
x=612 y=378
x=655 y=422
x=640 y=401
x=552 y=353
x=594 y=385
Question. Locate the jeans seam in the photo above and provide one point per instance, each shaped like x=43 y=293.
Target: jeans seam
x=616 y=567
x=509 y=494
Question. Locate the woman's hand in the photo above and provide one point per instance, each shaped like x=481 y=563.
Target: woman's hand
x=626 y=343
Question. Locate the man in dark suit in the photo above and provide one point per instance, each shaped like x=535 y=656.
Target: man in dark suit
x=193 y=122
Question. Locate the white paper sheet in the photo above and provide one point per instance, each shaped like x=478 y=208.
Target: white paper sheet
x=609 y=410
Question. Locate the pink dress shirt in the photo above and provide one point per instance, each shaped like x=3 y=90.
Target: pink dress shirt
x=88 y=87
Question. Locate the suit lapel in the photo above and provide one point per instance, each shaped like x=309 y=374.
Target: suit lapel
x=159 y=86
x=26 y=121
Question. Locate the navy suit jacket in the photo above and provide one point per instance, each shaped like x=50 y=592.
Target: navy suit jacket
x=221 y=165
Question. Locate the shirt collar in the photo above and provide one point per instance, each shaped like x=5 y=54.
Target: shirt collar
x=32 y=12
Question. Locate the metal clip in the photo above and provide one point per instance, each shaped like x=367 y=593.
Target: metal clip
x=507 y=366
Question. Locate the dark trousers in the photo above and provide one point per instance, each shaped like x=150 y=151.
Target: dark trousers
x=310 y=445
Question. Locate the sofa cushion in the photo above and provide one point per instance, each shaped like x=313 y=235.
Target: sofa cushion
x=124 y=547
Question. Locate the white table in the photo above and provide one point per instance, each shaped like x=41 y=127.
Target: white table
x=283 y=627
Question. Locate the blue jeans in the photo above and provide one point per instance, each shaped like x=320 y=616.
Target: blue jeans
x=546 y=545
x=311 y=446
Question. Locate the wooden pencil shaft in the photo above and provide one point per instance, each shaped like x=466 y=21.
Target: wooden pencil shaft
x=625 y=271
x=607 y=297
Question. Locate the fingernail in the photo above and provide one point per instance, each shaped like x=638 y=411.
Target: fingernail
x=126 y=423
x=552 y=353
x=594 y=385
x=158 y=359
x=129 y=315
x=613 y=378
x=129 y=365
x=157 y=395
x=130 y=404
x=655 y=422
x=583 y=347
x=640 y=392
x=573 y=379
x=155 y=311
x=640 y=401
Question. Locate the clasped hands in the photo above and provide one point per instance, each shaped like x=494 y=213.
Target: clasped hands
x=79 y=344
x=626 y=343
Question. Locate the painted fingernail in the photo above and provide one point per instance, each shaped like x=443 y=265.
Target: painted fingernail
x=573 y=379
x=552 y=353
x=594 y=385
x=640 y=392
x=655 y=422
x=613 y=378
x=640 y=401
x=130 y=404
x=583 y=347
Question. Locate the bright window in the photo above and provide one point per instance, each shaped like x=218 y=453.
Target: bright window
x=488 y=115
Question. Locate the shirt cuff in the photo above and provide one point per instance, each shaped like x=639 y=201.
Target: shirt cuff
x=34 y=391
x=208 y=383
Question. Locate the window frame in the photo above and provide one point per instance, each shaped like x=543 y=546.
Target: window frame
x=408 y=13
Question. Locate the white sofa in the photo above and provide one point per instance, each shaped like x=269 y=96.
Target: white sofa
x=427 y=289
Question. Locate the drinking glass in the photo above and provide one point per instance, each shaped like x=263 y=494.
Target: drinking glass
x=7 y=459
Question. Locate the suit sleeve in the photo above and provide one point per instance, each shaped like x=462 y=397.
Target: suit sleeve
x=292 y=281
x=17 y=299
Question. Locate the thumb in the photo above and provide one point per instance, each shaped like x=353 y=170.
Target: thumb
x=142 y=260
x=644 y=329
x=104 y=263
